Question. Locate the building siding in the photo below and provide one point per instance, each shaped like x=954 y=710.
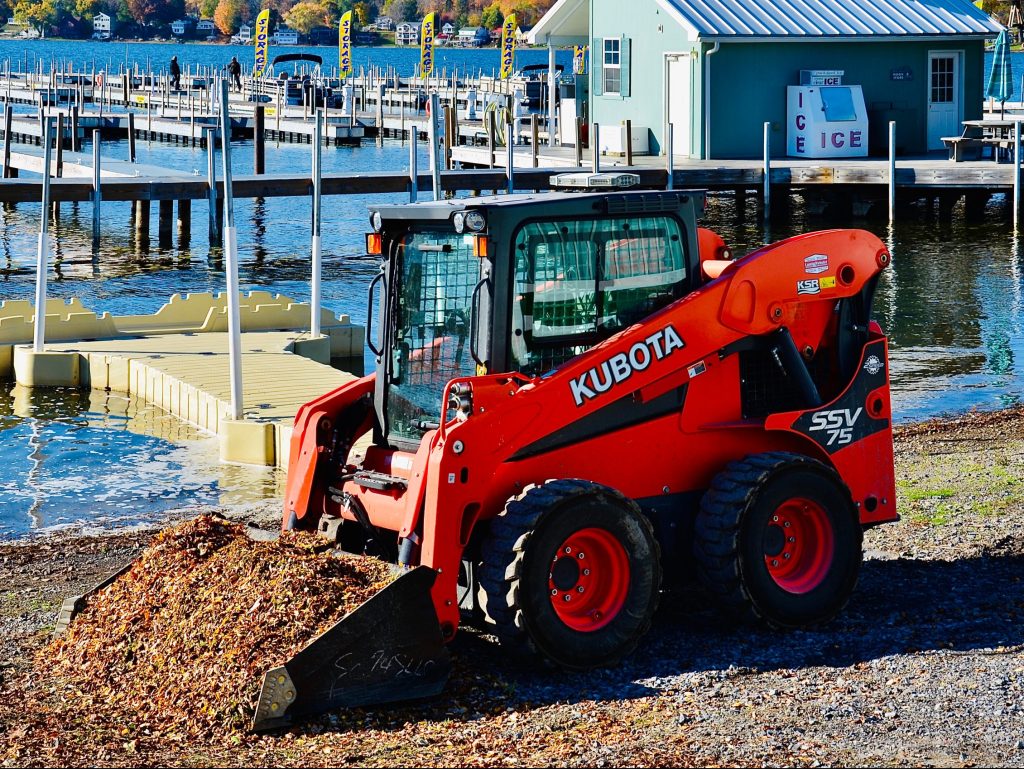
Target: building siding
x=748 y=87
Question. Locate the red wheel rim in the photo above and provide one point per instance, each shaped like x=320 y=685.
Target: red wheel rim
x=589 y=579
x=799 y=545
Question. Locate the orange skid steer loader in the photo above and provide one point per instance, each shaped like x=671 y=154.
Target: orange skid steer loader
x=574 y=396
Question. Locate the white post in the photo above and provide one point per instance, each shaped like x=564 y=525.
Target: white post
x=767 y=170
x=43 y=253
x=551 y=95
x=414 y=172
x=1016 y=175
x=510 y=156
x=670 y=163
x=892 y=171
x=97 y=194
x=231 y=260
x=435 y=160
x=314 y=302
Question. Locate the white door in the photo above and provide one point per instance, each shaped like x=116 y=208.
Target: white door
x=944 y=113
x=680 y=109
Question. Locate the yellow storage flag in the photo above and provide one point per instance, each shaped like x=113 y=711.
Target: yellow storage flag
x=508 y=46
x=427 y=46
x=579 y=59
x=345 y=45
x=262 y=38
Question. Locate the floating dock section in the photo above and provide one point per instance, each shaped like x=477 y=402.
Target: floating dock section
x=177 y=360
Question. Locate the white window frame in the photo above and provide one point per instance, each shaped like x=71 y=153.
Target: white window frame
x=606 y=65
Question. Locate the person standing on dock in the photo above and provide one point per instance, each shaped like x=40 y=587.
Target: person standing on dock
x=175 y=74
x=235 y=70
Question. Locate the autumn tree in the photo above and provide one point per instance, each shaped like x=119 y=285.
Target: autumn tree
x=149 y=11
x=229 y=15
x=306 y=15
x=491 y=16
x=39 y=14
x=365 y=13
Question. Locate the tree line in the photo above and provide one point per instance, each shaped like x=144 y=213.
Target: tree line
x=301 y=15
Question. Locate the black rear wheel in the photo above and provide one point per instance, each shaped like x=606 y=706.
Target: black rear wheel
x=777 y=536
x=571 y=571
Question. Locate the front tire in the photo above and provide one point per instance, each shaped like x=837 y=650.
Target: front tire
x=572 y=572
x=777 y=536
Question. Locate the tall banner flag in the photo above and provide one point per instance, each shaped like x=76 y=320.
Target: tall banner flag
x=579 y=59
x=427 y=46
x=262 y=37
x=508 y=46
x=345 y=45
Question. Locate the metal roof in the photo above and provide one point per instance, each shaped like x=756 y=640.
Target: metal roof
x=831 y=18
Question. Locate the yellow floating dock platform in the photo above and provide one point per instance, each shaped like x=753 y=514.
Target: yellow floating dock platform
x=182 y=365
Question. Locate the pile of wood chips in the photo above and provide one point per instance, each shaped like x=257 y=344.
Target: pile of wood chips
x=180 y=642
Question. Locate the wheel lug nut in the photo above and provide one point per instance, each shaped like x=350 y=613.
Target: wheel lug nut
x=586 y=572
x=579 y=589
x=775 y=518
x=786 y=556
x=568 y=550
x=580 y=556
x=567 y=597
x=554 y=592
x=775 y=563
x=792 y=539
x=786 y=524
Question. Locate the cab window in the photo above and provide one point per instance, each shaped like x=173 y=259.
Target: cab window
x=580 y=281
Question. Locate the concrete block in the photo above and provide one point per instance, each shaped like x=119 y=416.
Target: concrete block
x=247 y=443
x=283 y=443
x=318 y=349
x=118 y=378
x=97 y=371
x=46 y=369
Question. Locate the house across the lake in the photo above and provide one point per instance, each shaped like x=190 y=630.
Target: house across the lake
x=407 y=33
x=718 y=70
x=102 y=26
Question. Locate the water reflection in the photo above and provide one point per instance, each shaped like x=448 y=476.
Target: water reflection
x=88 y=459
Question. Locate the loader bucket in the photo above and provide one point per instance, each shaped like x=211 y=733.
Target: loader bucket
x=389 y=649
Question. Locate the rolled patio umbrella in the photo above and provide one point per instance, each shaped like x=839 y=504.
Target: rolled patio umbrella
x=1000 y=78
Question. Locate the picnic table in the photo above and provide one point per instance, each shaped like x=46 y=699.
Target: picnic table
x=995 y=134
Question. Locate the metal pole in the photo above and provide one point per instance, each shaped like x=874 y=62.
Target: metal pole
x=435 y=160
x=892 y=171
x=414 y=142
x=670 y=162
x=231 y=261
x=96 y=191
x=767 y=170
x=1016 y=175
x=510 y=156
x=314 y=302
x=551 y=95
x=211 y=181
x=42 y=254
x=595 y=148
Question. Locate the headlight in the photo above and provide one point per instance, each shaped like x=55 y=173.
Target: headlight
x=459 y=220
x=376 y=221
x=475 y=221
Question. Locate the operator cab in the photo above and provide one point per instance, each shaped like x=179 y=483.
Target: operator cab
x=514 y=283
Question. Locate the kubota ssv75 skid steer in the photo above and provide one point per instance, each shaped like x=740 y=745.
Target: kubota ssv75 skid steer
x=573 y=394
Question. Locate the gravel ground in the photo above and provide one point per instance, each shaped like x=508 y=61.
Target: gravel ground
x=924 y=668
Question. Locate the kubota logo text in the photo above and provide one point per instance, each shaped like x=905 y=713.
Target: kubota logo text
x=621 y=366
x=838 y=423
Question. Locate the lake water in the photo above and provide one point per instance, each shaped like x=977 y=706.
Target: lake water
x=952 y=305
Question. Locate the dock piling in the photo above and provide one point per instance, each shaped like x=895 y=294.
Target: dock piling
x=164 y=223
x=231 y=261
x=8 y=118
x=767 y=170
x=892 y=171
x=131 y=137
x=414 y=141
x=259 y=140
x=510 y=155
x=96 y=189
x=435 y=160
x=43 y=251
x=211 y=180
x=317 y=268
x=1016 y=176
x=75 y=144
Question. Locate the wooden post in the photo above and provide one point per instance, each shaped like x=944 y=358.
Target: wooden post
x=131 y=137
x=164 y=223
x=259 y=140
x=185 y=218
x=142 y=212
